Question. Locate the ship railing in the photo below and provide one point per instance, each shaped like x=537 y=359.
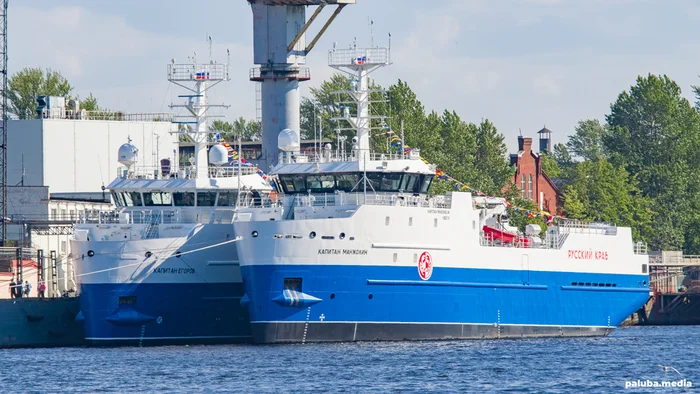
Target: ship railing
x=582 y=227
x=184 y=172
x=358 y=56
x=641 y=248
x=330 y=156
x=202 y=72
x=383 y=199
x=118 y=116
x=246 y=200
x=520 y=242
x=162 y=216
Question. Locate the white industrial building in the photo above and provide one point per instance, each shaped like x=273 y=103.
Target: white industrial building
x=57 y=167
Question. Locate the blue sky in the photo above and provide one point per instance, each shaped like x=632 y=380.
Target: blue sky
x=520 y=63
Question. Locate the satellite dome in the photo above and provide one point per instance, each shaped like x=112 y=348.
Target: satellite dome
x=128 y=154
x=218 y=155
x=288 y=140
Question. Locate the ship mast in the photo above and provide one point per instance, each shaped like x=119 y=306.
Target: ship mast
x=197 y=78
x=358 y=63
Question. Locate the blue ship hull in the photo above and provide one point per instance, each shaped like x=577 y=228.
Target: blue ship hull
x=162 y=314
x=351 y=303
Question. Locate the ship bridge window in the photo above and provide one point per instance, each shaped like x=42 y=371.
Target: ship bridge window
x=185 y=199
x=346 y=182
x=227 y=199
x=206 y=199
x=132 y=199
x=425 y=183
x=409 y=183
x=157 y=199
x=374 y=181
x=293 y=183
x=117 y=199
x=391 y=182
x=320 y=183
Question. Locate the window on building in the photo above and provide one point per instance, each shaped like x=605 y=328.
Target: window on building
x=53 y=214
x=529 y=187
x=72 y=214
x=63 y=214
x=523 y=191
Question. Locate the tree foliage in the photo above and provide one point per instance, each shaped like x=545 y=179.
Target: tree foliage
x=247 y=130
x=472 y=153
x=587 y=141
x=655 y=133
x=26 y=85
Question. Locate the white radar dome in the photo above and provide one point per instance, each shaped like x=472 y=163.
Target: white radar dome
x=288 y=140
x=218 y=155
x=128 y=154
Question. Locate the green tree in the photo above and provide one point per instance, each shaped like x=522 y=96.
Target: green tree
x=587 y=141
x=550 y=166
x=603 y=192
x=89 y=103
x=239 y=128
x=519 y=218
x=29 y=83
x=655 y=133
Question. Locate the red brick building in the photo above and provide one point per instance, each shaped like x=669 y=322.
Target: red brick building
x=529 y=177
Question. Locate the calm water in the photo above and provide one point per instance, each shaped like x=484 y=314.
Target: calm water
x=538 y=365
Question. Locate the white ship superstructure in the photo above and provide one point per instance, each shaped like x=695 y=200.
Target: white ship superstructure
x=360 y=250
x=163 y=267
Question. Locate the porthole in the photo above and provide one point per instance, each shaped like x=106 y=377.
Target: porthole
x=149 y=254
x=332 y=296
x=342 y=236
x=178 y=254
x=312 y=235
x=254 y=234
x=370 y=296
x=91 y=253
